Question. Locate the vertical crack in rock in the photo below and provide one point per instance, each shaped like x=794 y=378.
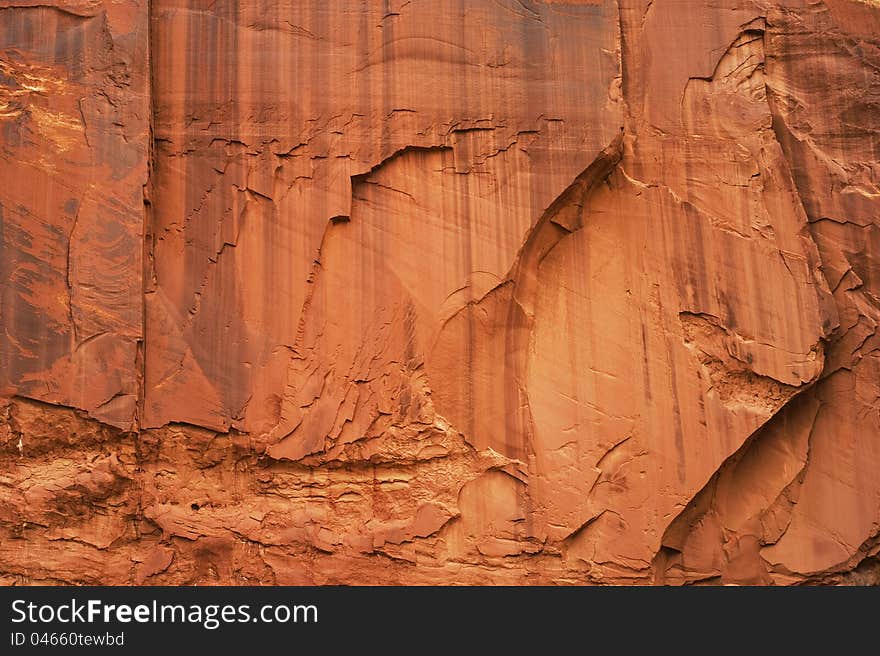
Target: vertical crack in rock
x=148 y=244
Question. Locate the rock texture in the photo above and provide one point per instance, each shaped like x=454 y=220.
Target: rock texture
x=484 y=291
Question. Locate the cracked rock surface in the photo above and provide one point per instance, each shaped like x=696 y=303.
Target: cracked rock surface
x=472 y=291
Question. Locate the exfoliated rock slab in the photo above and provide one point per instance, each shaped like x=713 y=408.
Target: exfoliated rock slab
x=267 y=124
x=800 y=501
x=74 y=144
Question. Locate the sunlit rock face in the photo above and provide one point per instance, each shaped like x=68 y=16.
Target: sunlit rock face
x=474 y=291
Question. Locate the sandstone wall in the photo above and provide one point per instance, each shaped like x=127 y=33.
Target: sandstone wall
x=472 y=291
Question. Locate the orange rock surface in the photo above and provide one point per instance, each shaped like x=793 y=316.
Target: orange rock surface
x=483 y=292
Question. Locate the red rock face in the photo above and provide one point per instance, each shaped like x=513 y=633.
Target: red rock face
x=74 y=115
x=458 y=292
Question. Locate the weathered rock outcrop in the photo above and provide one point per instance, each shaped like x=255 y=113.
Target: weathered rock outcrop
x=485 y=291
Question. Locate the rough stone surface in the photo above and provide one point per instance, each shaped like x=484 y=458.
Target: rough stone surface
x=484 y=291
